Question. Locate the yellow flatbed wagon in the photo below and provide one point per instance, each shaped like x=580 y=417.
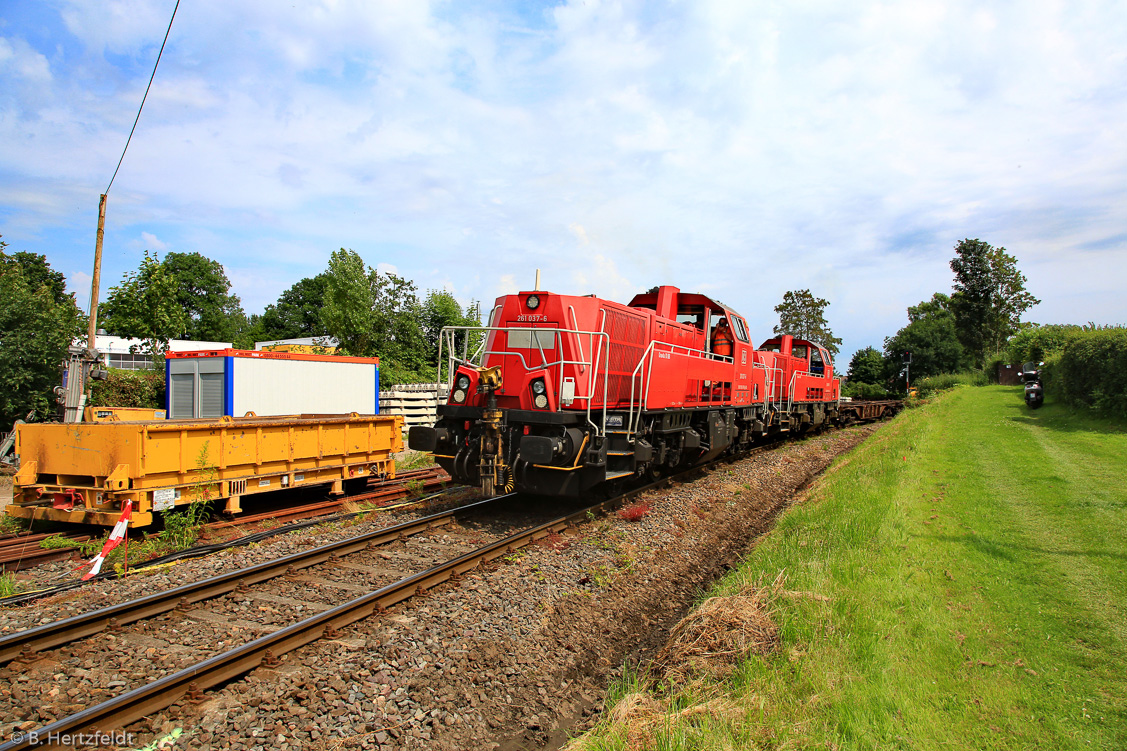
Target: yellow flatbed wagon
x=84 y=472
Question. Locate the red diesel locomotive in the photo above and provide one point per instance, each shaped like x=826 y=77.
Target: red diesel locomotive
x=560 y=393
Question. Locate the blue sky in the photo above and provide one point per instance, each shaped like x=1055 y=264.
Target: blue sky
x=739 y=149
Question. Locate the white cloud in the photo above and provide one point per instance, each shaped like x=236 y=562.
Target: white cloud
x=746 y=148
x=150 y=242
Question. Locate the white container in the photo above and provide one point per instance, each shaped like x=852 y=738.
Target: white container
x=213 y=383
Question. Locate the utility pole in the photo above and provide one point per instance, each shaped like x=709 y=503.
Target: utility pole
x=92 y=330
x=82 y=365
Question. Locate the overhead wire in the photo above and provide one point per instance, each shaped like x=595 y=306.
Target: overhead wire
x=143 y=98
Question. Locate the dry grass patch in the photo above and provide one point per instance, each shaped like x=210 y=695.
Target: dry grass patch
x=724 y=630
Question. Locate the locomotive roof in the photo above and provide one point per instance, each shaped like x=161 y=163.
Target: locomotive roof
x=649 y=300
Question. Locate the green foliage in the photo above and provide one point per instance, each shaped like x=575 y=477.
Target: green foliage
x=58 y=542
x=297 y=313
x=37 y=325
x=861 y=390
x=186 y=296
x=439 y=310
x=1089 y=371
x=1038 y=342
x=803 y=316
x=989 y=298
x=129 y=388
x=943 y=381
x=379 y=315
x=249 y=331
x=182 y=528
x=350 y=307
x=203 y=292
x=866 y=366
x=932 y=339
x=8 y=585
x=144 y=306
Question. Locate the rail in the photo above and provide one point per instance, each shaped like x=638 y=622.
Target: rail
x=54 y=634
x=192 y=681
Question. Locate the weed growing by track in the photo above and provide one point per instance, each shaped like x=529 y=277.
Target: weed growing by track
x=8 y=585
x=958 y=581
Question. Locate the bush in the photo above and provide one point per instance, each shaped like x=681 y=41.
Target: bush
x=932 y=384
x=1037 y=344
x=129 y=388
x=993 y=363
x=1089 y=371
x=858 y=390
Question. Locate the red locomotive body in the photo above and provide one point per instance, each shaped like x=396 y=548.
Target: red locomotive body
x=560 y=393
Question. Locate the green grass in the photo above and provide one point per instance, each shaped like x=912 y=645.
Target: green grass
x=8 y=585
x=973 y=556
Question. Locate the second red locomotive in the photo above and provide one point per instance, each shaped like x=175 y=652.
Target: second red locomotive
x=560 y=393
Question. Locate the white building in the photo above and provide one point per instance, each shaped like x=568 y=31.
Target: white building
x=127 y=353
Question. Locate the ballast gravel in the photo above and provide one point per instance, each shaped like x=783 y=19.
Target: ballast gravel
x=515 y=656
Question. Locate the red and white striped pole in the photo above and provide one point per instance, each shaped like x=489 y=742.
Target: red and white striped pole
x=120 y=532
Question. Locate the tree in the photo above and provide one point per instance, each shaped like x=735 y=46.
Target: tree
x=802 y=315
x=204 y=293
x=39 y=274
x=373 y=314
x=351 y=295
x=38 y=322
x=144 y=306
x=297 y=313
x=932 y=339
x=989 y=297
x=439 y=310
x=194 y=284
x=867 y=366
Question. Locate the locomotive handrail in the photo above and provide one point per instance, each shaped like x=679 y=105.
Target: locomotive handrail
x=790 y=390
x=644 y=387
x=578 y=341
x=447 y=336
x=771 y=385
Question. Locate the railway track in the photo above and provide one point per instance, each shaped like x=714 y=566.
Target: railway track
x=315 y=580
x=22 y=550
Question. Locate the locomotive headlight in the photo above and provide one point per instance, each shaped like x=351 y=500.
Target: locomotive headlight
x=463 y=382
x=459 y=396
x=533 y=302
x=541 y=401
x=538 y=387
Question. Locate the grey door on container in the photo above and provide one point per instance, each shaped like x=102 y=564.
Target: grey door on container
x=182 y=401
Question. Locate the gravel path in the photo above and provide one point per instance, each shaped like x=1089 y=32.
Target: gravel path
x=513 y=657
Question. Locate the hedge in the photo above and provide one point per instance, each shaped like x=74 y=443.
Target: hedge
x=1090 y=371
x=129 y=388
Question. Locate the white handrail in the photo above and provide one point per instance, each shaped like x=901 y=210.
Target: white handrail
x=644 y=387
x=447 y=338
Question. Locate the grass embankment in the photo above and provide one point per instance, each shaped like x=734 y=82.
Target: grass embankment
x=957 y=582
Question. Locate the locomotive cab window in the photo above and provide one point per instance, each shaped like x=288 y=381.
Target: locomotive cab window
x=817 y=365
x=531 y=338
x=694 y=315
x=799 y=351
x=740 y=328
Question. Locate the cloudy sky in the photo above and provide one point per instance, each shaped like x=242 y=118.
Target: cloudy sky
x=735 y=148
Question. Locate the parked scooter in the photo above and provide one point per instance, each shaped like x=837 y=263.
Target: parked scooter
x=1034 y=389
